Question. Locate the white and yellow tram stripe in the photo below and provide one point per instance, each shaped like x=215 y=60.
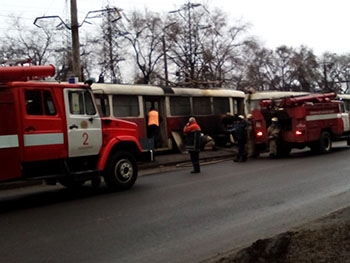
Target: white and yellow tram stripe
x=11 y=141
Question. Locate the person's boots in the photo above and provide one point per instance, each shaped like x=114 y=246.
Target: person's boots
x=196 y=168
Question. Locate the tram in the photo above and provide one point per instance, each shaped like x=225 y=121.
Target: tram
x=174 y=105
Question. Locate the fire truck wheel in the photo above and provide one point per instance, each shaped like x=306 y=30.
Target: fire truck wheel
x=325 y=142
x=121 y=171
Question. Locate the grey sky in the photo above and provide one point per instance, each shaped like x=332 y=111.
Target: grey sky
x=318 y=24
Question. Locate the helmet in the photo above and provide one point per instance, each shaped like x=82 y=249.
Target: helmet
x=274 y=119
x=241 y=117
x=249 y=116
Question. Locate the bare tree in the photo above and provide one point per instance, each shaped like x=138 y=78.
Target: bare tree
x=187 y=34
x=28 y=43
x=334 y=71
x=223 y=52
x=262 y=72
x=283 y=69
x=304 y=76
x=111 y=48
x=144 y=32
x=344 y=73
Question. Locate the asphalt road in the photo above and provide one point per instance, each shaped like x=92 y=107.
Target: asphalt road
x=174 y=216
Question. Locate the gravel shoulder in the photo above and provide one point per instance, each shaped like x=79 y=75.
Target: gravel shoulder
x=325 y=240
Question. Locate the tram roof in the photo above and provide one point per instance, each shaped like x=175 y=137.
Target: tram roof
x=275 y=94
x=208 y=92
x=125 y=89
x=343 y=96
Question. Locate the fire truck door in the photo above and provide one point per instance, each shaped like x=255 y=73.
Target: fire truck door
x=9 y=145
x=83 y=123
x=42 y=126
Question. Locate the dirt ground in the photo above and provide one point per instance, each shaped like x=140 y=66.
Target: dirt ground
x=326 y=240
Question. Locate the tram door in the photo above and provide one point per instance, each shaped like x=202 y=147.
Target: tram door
x=159 y=105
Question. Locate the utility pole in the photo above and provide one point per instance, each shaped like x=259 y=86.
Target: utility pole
x=165 y=62
x=74 y=28
x=75 y=40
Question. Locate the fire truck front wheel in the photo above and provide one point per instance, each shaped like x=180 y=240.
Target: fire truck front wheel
x=121 y=171
x=325 y=142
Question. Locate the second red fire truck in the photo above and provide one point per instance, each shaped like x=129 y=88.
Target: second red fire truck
x=313 y=120
x=53 y=131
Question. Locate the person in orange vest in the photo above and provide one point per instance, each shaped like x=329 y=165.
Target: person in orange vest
x=192 y=132
x=153 y=126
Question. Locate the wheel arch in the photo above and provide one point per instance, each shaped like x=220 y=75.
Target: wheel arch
x=113 y=147
x=324 y=143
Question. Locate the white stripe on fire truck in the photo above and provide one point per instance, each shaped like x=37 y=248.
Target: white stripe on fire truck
x=321 y=117
x=43 y=139
x=8 y=141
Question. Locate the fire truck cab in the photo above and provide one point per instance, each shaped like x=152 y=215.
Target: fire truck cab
x=53 y=132
x=313 y=120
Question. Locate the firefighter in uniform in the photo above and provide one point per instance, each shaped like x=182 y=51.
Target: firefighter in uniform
x=273 y=133
x=250 y=136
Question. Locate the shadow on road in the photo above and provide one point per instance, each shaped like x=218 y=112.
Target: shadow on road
x=42 y=195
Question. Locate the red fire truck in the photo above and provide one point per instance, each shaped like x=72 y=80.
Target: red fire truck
x=313 y=120
x=52 y=131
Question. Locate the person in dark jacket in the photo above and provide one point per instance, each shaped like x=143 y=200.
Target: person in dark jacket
x=227 y=127
x=192 y=130
x=240 y=136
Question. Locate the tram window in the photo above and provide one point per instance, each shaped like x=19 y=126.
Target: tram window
x=89 y=104
x=254 y=105
x=180 y=106
x=221 y=105
x=201 y=106
x=102 y=104
x=126 y=106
